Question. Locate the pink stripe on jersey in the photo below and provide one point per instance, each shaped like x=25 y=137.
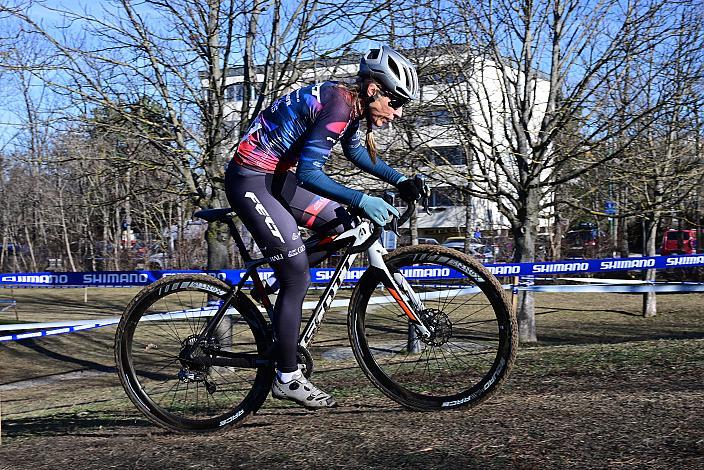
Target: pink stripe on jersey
x=336 y=127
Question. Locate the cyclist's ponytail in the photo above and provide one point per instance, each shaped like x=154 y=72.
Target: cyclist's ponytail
x=358 y=92
x=369 y=140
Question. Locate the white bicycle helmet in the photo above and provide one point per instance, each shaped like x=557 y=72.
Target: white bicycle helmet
x=395 y=73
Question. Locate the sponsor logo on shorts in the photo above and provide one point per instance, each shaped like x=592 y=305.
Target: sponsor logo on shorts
x=297 y=251
x=259 y=207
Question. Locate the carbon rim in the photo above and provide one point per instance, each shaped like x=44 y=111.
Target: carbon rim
x=474 y=340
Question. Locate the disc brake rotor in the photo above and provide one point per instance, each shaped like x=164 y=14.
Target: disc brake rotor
x=439 y=325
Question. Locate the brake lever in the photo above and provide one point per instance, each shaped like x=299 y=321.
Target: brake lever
x=393 y=225
x=425 y=193
x=426 y=204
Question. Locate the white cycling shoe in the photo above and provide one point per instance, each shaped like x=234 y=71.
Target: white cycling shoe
x=300 y=390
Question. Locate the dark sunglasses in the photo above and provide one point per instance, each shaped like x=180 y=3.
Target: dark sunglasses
x=395 y=101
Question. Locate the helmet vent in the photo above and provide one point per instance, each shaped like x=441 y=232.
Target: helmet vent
x=394 y=68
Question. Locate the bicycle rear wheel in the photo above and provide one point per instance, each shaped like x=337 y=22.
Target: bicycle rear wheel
x=474 y=331
x=179 y=394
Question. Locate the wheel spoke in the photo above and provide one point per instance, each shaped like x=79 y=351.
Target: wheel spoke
x=159 y=372
x=469 y=331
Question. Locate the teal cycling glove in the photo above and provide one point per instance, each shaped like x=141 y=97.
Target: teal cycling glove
x=378 y=210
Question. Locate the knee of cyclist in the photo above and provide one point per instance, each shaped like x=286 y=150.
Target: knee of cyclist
x=294 y=271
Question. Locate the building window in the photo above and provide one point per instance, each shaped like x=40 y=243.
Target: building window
x=235 y=92
x=452 y=155
x=442 y=197
x=434 y=117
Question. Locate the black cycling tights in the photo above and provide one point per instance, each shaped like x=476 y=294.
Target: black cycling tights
x=272 y=206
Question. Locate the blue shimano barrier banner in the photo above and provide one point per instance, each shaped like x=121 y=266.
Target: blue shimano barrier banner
x=111 y=278
x=321 y=275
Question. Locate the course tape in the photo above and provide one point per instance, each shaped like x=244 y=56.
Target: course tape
x=55 y=331
x=320 y=275
x=616 y=288
x=70 y=326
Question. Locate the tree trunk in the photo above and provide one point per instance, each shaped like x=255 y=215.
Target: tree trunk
x=64 y=229
x=218 y=237
x=525 y=234
x=30 y=245
x=413 y=227
x=468 y=232
x=556 y=242
x=650 y=307
x=624 y=250
x=413 y=344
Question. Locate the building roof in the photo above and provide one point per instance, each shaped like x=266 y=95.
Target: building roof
x=353 y=57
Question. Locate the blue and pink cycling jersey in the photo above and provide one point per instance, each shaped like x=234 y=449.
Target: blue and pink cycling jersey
x=301 y=129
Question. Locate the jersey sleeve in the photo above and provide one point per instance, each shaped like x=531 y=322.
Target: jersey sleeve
x=329 y=125
x=358 y=154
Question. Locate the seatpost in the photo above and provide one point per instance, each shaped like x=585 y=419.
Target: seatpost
x=238 y=239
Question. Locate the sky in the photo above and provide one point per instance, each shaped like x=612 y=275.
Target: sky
x=45 y=11
x=11 y=103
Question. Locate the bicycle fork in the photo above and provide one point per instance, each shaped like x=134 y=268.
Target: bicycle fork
x=400 y=289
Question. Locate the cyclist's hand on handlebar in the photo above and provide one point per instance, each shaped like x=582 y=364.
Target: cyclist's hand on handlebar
x=410 y=190
x=378 y=210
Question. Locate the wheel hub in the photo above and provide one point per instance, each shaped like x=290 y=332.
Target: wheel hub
x=439 y=325
x=192 y=371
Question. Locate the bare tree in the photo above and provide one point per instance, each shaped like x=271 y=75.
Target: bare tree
x=179 y=54
x=531 y=73
x=663 y=166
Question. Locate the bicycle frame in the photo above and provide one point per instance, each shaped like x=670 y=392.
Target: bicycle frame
x=375 y=253
x=354 y=239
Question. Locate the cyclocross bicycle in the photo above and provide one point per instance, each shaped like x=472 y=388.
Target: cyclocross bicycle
x=429 y=326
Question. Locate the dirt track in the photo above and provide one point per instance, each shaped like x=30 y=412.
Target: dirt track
x=643 y=408
x=606 y=390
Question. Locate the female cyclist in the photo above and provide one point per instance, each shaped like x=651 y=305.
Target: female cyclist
x=300 y=129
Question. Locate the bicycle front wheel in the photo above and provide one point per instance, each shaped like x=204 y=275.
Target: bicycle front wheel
x=473 y=338
x=156 y=344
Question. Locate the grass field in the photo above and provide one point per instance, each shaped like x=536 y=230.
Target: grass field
x=605 y=387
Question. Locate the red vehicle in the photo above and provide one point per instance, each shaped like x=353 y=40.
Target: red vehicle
x=679 y=242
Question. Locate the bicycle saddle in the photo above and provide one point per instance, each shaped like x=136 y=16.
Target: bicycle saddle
x=213 y=215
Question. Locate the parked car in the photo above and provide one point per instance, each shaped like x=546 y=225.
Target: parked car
x=427 y=241
x=458 y=243
x=679 y=242
x=476 y=249
x=582 y=241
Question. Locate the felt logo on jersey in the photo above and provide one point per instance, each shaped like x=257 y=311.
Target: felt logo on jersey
x=259 y=207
